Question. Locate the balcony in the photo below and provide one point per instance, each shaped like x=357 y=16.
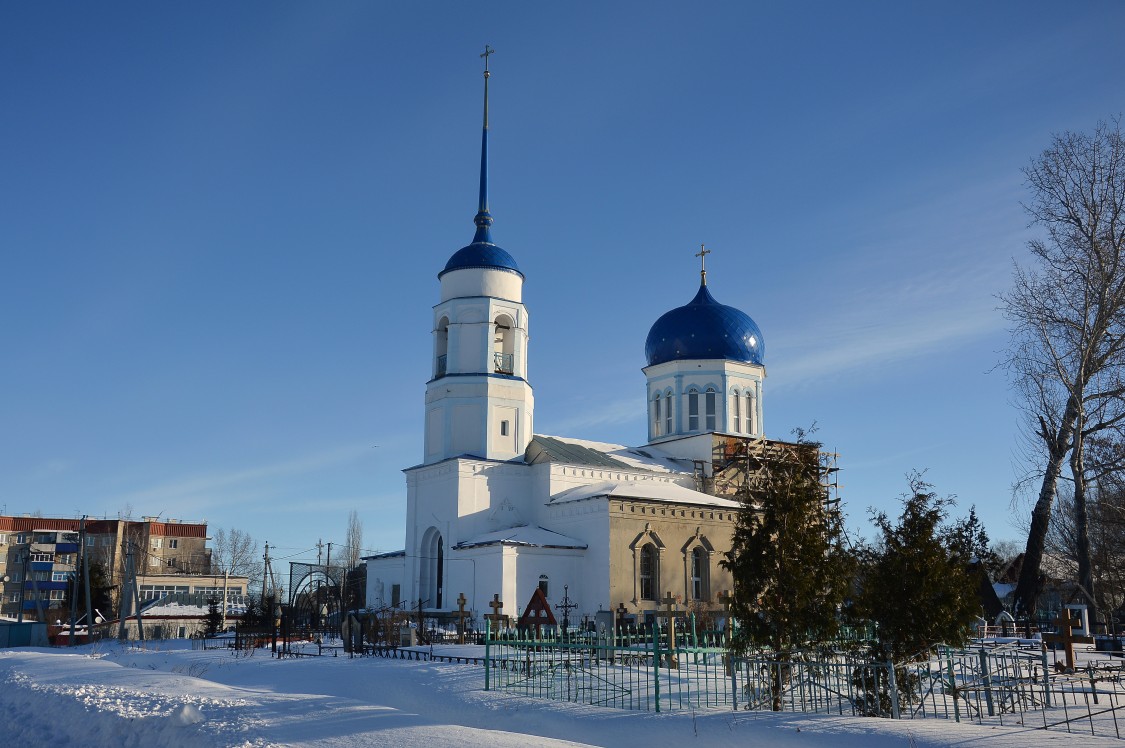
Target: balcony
x=440 y=366
x=504 y=362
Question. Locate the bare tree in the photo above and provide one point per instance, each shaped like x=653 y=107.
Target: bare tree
x=353 y=541
x=235 y=553
x=352 y=577
x=1068 y=323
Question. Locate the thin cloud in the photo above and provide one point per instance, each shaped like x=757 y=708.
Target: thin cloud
x=215 y=488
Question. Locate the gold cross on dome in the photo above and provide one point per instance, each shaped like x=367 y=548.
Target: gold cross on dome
x=702 y=255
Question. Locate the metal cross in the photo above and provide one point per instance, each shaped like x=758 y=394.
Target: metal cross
x=702 y=255
x=566 y=606
x=487 y=51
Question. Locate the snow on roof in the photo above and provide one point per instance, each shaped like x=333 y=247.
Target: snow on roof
x=523 y=535
x=648 y=458
x=651 y=491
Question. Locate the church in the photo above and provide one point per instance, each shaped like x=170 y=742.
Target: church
x=496 y=511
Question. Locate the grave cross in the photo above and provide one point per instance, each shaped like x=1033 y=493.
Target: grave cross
x=670 y=614
x=461 y=617
x=566 y=606
x=622 y=611
x=1066 y=637
x=496 y=617
x=727 y=601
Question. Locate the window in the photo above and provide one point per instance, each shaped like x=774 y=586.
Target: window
x=700 y=584
x=656 y=415
x=153 y=561
x=749 y=413
x=21 y=538
x=503 y=428
x=503 y=345
x=173 y=543
x=711 y=397
x=737 y=413
x=42 y=557
x=693 y=409
x=58 y=594
x=396 y=594
x=668 y=413
x=544 y=584
x=442 y=347
x=650 y=582
x=3 y=539
x=90 y=541
x=157 y=543
x=60 y=576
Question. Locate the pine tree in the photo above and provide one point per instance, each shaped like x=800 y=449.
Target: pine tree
x=916 y=585
x=214 y=617
x=791 y=572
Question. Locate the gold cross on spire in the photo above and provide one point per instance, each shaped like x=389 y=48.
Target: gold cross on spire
x=702 y=255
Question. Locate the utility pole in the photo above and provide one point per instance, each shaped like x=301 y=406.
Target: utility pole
x=126 y=600
x=75 y=580
x=328 y=574
x=265 y=574
x=86 y=582
x=23 y=582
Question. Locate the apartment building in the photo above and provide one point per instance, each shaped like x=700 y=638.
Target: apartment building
x=39 y=557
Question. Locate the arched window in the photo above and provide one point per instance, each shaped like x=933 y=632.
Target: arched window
x=656 y=415
x=693 y=409
x=711 y=399
x=431 y=558
x=700 y=574
x=750 y=415
x=650 y=581
x=737 y=400
x=668 y=412
x=544 y=585
x=503 y=346
x=441 y=347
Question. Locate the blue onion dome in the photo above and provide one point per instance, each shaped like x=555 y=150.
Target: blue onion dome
x=705 y=329
x=481 y=255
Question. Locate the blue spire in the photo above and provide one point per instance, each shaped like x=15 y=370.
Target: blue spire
x=483 y=253
x=483 y=220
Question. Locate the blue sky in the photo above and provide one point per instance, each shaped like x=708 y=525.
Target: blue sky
x=221 y=226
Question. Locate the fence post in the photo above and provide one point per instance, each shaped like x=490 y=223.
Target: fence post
x=952 y=684
x=986 y=677
x=656 y=664
x=893 y=689
x=1046 y=678
x=732 y=663
x=487 y=639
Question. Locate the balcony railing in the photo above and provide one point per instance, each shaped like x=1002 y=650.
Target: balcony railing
x=504 y=362
x=440 y=366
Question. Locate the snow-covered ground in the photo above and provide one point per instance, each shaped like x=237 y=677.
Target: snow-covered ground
x=169 y=695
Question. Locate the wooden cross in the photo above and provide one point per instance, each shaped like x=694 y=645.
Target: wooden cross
x=495 y=616
x=461 y=617
x=727 y=601
x=670 y=613
x=622 y=611
x=1066 y=637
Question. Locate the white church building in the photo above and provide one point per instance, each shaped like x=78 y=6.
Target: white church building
x=495 y=509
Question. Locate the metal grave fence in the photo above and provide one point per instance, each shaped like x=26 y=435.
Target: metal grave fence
x=643 y=670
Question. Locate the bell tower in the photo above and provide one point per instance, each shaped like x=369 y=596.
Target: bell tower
x=478 y=401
